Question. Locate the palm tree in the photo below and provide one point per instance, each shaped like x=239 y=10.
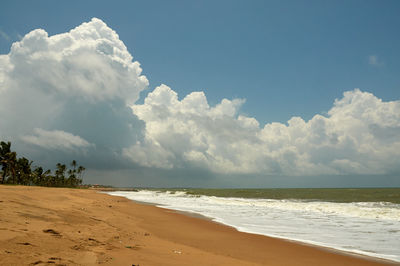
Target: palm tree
x=11 y=160
x=24 y=172
x=75 y=174
x=19 y=171
x=80 y=173
x=73 y=164
x=5 y=149
x=72 y=172
x=60 y=175
x=71 y=179
x=40 y=177
x=46 y=177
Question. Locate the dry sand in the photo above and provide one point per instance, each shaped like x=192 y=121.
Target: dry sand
x=83 y=227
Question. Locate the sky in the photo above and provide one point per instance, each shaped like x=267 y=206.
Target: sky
x=205 y=93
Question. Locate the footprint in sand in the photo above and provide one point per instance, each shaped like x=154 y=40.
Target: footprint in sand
x=53 y=232
x=25 y=244
x=51 y=260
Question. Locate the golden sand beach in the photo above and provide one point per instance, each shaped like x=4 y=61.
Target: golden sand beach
x=62 y=226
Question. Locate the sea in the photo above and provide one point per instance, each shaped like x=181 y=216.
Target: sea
x=323 y=217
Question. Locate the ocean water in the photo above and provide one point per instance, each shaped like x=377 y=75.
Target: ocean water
x=368 y=228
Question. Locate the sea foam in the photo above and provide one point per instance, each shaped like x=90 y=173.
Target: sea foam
x=368 y=228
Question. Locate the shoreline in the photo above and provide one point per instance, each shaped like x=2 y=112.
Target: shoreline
x=296 y=241
x=83 y=227
x=330 y=248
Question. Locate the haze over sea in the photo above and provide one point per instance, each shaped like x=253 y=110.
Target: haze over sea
x=363 y=221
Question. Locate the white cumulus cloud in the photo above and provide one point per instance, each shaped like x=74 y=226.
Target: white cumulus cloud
x=90 y=61
x=360 y=135
x=81 y=82
x=77 y=91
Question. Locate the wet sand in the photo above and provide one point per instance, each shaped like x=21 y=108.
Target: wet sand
x=83 y=227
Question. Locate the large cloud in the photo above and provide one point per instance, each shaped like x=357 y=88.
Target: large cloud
x=360 y=135
x=70 y=91
x=74 y=95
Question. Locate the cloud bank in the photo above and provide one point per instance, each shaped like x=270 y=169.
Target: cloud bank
x=77 y=92
x=360 y=135
x=55 y=139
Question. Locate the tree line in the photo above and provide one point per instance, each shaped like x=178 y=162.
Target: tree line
x=16 y=170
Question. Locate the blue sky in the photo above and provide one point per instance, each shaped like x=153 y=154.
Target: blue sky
x=286 y=58
x=296 y=64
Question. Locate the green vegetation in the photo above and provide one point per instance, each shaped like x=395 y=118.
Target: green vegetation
x=320 y=194
x=19 y=171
